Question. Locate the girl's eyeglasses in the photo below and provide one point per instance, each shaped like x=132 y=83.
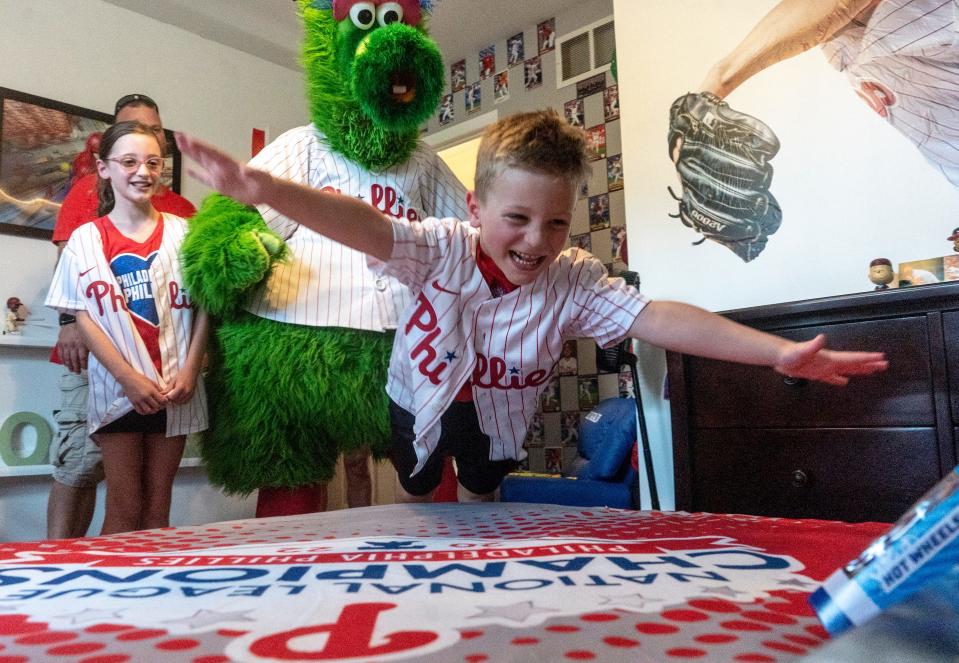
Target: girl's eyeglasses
x=132 y=164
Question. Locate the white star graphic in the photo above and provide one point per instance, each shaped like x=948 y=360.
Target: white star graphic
x=518 y=612
x=633 y=602
x=203 y=618
x=722 y=591
x=90 y=615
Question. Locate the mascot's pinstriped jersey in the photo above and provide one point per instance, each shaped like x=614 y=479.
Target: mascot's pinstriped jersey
x=324 y=283
x=300 y=348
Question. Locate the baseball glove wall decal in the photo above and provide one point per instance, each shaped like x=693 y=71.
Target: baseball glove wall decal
x=722 y=157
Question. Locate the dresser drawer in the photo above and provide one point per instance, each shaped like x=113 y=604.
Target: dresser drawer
x=838 y=474
x=950 y=328
x=726 y=395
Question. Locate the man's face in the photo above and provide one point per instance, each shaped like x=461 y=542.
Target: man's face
x=146 y=115
x=524 y=221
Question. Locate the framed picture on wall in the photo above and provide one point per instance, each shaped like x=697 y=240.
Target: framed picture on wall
x=515 y=51
x=473 y=98
x=446 y=109
x=458 y=75
x=611 y=103
x=487 y=61
x=546 y=36
x=533 y=73
x=45 y=146
x=501 y=86
x=614 y=172
x=596 y=142
x=575 y=112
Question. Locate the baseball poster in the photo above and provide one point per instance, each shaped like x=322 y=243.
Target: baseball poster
x=792 y=135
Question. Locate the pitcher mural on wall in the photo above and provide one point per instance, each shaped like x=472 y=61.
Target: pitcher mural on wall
x=901 y=58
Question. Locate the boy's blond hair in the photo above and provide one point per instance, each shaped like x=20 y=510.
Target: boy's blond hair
x=538 y=141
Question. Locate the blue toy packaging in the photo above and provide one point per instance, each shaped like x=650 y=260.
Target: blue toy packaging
x=922 y=545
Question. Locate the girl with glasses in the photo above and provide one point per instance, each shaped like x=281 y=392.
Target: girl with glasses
x=120 y=274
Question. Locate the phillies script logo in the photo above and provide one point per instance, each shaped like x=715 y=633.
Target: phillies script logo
x=424 y=318
x=102 y=291
x=489 y=373
x=387 y=200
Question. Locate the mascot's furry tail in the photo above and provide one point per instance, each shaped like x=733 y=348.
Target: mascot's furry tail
x=341 y=375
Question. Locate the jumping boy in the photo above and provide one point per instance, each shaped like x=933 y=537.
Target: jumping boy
x=495 y=300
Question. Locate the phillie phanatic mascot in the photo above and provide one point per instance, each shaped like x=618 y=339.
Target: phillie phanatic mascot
x=298 y=371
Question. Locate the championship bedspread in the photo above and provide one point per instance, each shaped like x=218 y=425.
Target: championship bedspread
x=437 y=582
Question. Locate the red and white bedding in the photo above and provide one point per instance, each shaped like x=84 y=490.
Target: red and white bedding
x=440 y=582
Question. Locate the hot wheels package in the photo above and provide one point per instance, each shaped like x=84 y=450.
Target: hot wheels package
x=922 y=546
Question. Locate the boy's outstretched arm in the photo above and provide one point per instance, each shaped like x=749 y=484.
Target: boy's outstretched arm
x=343 y=219
x=691 y=330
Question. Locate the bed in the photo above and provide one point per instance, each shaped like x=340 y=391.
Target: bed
x=437 y=582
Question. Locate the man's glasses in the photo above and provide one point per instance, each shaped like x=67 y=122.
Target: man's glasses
x=132 y=164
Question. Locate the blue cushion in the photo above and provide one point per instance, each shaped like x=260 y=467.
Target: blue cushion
x=606 y=437
x=540 y=490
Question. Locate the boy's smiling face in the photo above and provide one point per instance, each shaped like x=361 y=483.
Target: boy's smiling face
x=524 y=221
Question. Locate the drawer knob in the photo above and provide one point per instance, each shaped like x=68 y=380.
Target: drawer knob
x=790 y=381
x=799 y=479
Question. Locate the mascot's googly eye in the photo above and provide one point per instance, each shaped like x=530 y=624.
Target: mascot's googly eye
x=389 y=12
x=363 y=15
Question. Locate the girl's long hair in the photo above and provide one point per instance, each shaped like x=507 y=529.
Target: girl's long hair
x=110 y=137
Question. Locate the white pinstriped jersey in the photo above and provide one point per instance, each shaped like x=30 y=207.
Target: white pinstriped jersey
x=509 y=345
x=326 y=284
x=83 y=281
x=903 y=60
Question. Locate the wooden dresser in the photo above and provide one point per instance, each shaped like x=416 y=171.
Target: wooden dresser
x=749 y=440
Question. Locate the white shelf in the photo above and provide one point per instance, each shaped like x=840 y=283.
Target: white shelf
x=25 y=470
x=28 y=340
x=42 y=470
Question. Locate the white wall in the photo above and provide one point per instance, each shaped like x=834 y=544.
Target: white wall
x=89 y=53
x=851 y=187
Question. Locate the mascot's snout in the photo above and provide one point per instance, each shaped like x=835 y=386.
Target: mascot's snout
x=397 y=76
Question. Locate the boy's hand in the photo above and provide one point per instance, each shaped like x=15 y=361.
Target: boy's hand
x=219 y=171
x=811 y=360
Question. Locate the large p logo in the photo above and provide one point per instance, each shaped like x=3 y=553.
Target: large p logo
x=350 y=636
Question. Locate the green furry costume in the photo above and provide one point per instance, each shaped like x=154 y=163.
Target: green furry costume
x=287 y=399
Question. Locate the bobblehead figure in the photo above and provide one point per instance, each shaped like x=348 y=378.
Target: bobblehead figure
x=880 y=273
x=298 y=373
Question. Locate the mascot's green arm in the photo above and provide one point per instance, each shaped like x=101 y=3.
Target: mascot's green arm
x=227 y=250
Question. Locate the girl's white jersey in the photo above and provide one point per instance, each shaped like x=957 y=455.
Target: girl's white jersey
x=83 y=281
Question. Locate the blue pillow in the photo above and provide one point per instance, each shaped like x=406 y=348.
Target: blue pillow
x=606 y=438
